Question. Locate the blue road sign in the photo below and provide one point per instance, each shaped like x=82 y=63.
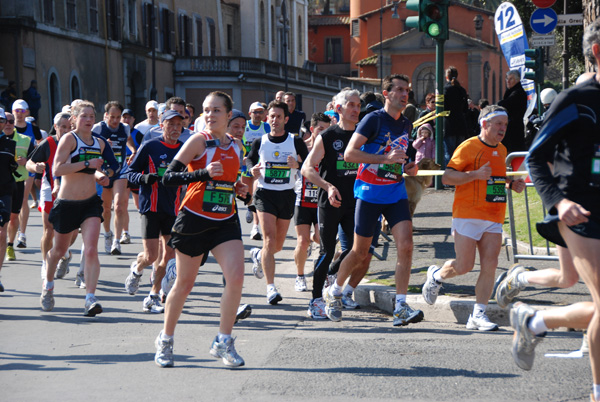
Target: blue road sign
x=543 y=20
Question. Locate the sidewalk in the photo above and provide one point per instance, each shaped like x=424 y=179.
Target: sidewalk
x=433 y=244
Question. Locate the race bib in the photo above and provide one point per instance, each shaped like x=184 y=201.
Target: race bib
x=277 y=173
x=390 y=171
x=496 y=189
x=345 y=168
x=218 y=197
x=311 y=193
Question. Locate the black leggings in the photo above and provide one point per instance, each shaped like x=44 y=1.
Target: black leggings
x=329 y=219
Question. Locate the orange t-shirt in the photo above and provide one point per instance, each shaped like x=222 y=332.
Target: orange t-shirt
x=480 y=199
x=214 y=199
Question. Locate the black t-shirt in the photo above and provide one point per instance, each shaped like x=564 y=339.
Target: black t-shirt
x=333 y=169
x=36 y=131
x=295 y=121
x=42 y=153
x=8 y=148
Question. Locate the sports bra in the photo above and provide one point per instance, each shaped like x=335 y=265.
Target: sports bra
x=85 y=152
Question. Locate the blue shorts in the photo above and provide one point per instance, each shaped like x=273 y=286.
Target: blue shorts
x=366 y=216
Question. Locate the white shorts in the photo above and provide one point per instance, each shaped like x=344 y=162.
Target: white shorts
x=474 y=228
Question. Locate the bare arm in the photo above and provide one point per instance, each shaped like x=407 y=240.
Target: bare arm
x=355 y=155
x=62 y=163
x=308 y=170
x=456 y=178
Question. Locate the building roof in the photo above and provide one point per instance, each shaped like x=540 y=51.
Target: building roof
x=463 y=37
x=323 y=20
x=369 y=61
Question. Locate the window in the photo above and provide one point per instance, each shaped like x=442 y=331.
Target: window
x=185 y=35
x=199 y=36
x=75 y=88
x=212 y=37
x=131 y=19
x=49 y=11
x=273 y=26
x=333 y=50
x=263 y=23
x=355 y=28
x=167 y=32
x=300 y=36
x=71 y=15
x=229 y=37
x=113 y=19
x=93 y=23
x=54 y=93
x=149 y=18
x=425 y=82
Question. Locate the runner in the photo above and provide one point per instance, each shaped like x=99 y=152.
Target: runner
x=209 y=162
x=8 y=166
x=158 y=206
x=379 y=145
x=274 y=161
x=79 y=157
x=478 y=170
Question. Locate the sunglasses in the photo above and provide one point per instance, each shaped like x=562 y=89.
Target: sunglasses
x=10 y=121
x=2 y=120
x=20 y=110
x=257 y=111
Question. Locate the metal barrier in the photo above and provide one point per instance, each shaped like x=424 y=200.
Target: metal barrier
x=512 y=160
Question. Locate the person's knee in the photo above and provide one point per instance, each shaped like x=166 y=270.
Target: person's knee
x=90 y=251
x=235 y=279
x=149 y=256
x=405 y=247
x=568 y=278
x=303 y=242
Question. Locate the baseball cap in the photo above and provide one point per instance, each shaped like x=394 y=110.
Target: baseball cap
x=161 y=108
x=256 y=105
x=2 y=114
x=127 y=111
x=152 y=105
x=169 y=114
x=20 y=104
x=29 y=119
x=66 y=109
x=235 y=114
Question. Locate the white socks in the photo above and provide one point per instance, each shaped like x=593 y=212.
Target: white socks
x=479 y=309
x=537 y=324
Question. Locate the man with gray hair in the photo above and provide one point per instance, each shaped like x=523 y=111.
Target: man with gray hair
x=515 y=103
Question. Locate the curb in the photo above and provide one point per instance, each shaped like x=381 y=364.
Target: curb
x=446 y=309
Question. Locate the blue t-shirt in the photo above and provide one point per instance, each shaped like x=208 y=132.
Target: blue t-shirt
x=382 y=183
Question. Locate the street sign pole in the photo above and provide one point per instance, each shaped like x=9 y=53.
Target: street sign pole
x=439 y=108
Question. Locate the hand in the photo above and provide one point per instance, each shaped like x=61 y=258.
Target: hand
x=411 y=169
x=518 y=185
x=397 y=155
x=215 y=169
x=571 y=213
x=101 y=178
x=149 y=178
x=96 y=163
x=484 y=172
x=255 y=171
x=241 y=189
x=292 y=162
x=334 y=197
x=21 y=161
x=40 y=167
x=55 y=188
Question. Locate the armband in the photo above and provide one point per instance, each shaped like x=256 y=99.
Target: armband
x=177 y=175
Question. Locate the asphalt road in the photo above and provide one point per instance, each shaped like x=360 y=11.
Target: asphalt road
x=62 y=355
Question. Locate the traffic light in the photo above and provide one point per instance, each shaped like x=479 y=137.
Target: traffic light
x=536 y=64
x=432 y=19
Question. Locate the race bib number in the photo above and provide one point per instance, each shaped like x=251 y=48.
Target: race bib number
x=391 y=172
x=277 y=173
x=496 y=189
x=346 y=168
x=218 y=197
x=311 y=193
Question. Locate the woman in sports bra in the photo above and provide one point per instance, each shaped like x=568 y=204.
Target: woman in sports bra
x=78 y=162
x=208 y=221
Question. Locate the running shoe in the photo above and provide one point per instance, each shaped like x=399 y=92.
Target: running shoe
x=249 y=216
x=509 y=287
x=226 y=351
x=431 y=287
x=92 y=307
x=47 y=299
x=256 y=265
x=132 y=282
x=2 y=290
x=125 y=238
x=164 y=351
x=273 y=296
x=116 y=248
x=63 y=265
x=309 y=249
x=33 y=205
x=333 y=307
x=300 y=285
x=244 y=311
x=404 y=315
x=585 y=345
x=524 y=341
x=255 y=233
x=21 y=240
x=80 y=280
x=316 y=309
x=349 y=303
x=481 y=322
x=168 y=280
x=10 y=253
x=108 y=241
x=152 y=304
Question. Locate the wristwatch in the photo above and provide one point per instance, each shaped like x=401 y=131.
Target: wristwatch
x=86 y=163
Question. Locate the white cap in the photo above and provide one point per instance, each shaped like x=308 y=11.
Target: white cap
x=2 y=114
x=152 y=105
x=66 y=109
x=20 y=104
x=76 y=102
x=256 y=105
x=161 y=108
x=29 y=119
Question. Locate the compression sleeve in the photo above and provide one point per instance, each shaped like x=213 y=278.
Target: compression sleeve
x=177 y=175
x=109 y=157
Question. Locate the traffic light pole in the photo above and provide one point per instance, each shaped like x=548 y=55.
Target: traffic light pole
x=439 y=108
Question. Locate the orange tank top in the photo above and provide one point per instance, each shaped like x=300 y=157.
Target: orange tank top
x=214 y=199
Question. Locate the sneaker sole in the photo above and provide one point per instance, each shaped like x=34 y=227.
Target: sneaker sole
x=275 y=300
x=412 y=320
x=245 y=313
x=115 y=252
x=97 y=309
x=21 y=245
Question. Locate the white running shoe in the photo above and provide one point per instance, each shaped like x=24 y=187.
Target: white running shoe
x=431 y=287
x=116 y=248
x=256 y=265
x=63 y=265
x=125 y=238
x=300 y=285
x=273 y=296
x=108 y=241
x=481 y=322
x=152 y=304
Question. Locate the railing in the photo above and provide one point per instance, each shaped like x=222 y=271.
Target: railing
x=264 y=69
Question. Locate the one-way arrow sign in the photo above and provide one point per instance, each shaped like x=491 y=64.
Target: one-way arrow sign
x=543 y=20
